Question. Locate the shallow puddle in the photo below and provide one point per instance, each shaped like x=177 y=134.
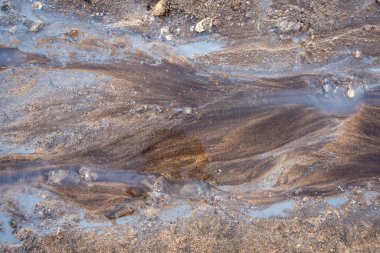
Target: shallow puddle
x=337 y=202
x=276 y=210
x=175 y=213
x=198 y=48
x=83 y=224
x=11 y=57
x=6 y=234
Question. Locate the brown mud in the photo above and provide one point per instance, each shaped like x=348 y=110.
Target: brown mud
x=122 y=131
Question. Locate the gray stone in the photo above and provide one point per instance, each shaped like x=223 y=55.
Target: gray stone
x=36 y=26
x=203 y=25
x=287 y=26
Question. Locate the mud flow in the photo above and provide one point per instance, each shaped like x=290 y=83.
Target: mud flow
x=189 y=126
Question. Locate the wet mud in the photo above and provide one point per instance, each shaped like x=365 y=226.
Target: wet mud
x=120 y=129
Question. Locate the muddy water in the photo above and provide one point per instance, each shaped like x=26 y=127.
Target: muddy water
x=115 y=122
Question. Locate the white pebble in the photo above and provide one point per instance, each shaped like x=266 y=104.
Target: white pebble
x=350 y=93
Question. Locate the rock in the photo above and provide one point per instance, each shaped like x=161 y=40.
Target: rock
x=203 y=25
x=350 y=93
x=13 y=223
x=169 y=37
x=164 y=30
x=36 y=26
x=74 y=33
x=37 y=5
x=160 y=8
x=6 y=6
x=289 y=26
x=358 y=54
x=58 y=231
x=326 y=88
x=187 y=110
x=192 y=28
x=13 y=29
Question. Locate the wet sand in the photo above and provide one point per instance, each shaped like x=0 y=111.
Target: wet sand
x=116 y=137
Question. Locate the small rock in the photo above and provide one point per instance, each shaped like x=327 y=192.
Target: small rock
x=187 y=110
x=58 y=231
x=13 y=29
x=164 y=30
x=160 y=8
x=203 y=25
x=37 y=5
x=13 y=224
x=289 y=26
x=326 y=88
x=358 y=54
x=350 y=93
x=6 y=6
x=192 y=28
x=37 y=26
x=158 y=108
x=73 y=33
x=169 y=37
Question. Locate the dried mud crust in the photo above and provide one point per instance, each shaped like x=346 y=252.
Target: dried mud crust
x=236 y=19
x=260 y=35
x=213 y=231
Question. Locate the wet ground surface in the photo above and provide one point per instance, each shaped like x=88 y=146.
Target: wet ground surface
x=119 y=131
